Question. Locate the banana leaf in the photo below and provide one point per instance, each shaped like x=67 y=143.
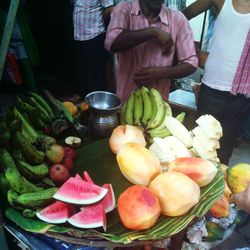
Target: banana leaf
x=101 y=164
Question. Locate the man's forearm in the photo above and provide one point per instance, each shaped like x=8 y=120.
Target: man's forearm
x=202 y=57
x=197 y=8
x=129 y=39
x=178 y=71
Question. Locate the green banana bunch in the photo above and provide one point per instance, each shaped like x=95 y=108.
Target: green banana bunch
x=30 y=153
x=33 y=172
x=4 y=185
x=43 y=103
x=11 y=196
x=159 y=109
x=147 y=105
x=129 y=111
x=138 y=107
x=19 y=183
x=35 y=199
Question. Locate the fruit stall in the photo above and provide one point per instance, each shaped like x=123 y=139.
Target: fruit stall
x=139 y=177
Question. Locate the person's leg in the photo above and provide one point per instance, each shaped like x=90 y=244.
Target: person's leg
x=232 y=122
x=229 y=111
x=96 y=56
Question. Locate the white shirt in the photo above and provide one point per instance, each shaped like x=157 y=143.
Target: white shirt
x=230 y=32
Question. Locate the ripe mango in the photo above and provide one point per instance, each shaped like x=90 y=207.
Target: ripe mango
x=199 y=170
x=238 y=177
x=220 y=208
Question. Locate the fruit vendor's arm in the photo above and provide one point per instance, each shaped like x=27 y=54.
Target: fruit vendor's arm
x=242 y=200
x=185 y=53
x=120 y=38
x=152 y=75
x=200 y=6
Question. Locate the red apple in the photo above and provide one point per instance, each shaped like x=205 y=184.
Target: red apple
x=58 y=174
x=68 y=151
x=67 y=162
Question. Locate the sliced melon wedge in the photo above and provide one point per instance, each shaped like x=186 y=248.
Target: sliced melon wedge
x=77 y=191
x=92 y=216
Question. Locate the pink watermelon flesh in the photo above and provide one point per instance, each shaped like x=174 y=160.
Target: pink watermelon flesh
x=56 y=213
x=80 y=192
x=92 y=216
x=108 y=201
x=87 y=178
x=78 y=177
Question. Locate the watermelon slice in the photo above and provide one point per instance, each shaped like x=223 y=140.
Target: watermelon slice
x=77 y=191
x=56 y=213
x=87 y=178
x=108 y=201
x=92 y=216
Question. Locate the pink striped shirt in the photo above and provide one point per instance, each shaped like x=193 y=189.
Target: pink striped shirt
x=241 y=83
x=128 y=16
x=88 y=18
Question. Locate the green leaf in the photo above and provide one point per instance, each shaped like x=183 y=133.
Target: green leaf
x=31 y=225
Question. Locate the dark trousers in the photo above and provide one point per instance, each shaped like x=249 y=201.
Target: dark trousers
x=230 y=110
x=89 y=65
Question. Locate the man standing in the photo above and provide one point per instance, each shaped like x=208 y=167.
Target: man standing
x=147 y=37
x=89 y=35
x=225 y=88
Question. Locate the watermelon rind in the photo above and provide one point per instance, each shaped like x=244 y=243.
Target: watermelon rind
x=56 y=213
x=76 y=191
x=92 y=216
x=108 y=201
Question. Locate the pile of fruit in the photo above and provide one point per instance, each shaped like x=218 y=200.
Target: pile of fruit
x=169 y=174
x=32 y=163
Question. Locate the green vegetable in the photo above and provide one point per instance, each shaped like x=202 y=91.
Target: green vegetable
x=44 y=114
x=6 y=160
x=4 y=185
x=43 y=103
x=11 y=195
x=33 y=172
x=33 y=113
x=5 y=136
x=30 y=153
x=26 y=127
x=36 y=199
x=19 y=183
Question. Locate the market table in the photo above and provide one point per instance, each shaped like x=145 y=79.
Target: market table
x=95 y=157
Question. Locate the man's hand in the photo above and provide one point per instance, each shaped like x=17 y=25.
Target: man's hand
x=148 y=75
x=165 y=39
x=242 y=200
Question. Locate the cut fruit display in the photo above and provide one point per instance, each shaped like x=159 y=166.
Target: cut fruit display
x=56 y=213
x=108 y=201
x=77 y=191
x=89 y=217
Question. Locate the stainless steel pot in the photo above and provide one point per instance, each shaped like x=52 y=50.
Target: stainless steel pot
x=103 y=116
